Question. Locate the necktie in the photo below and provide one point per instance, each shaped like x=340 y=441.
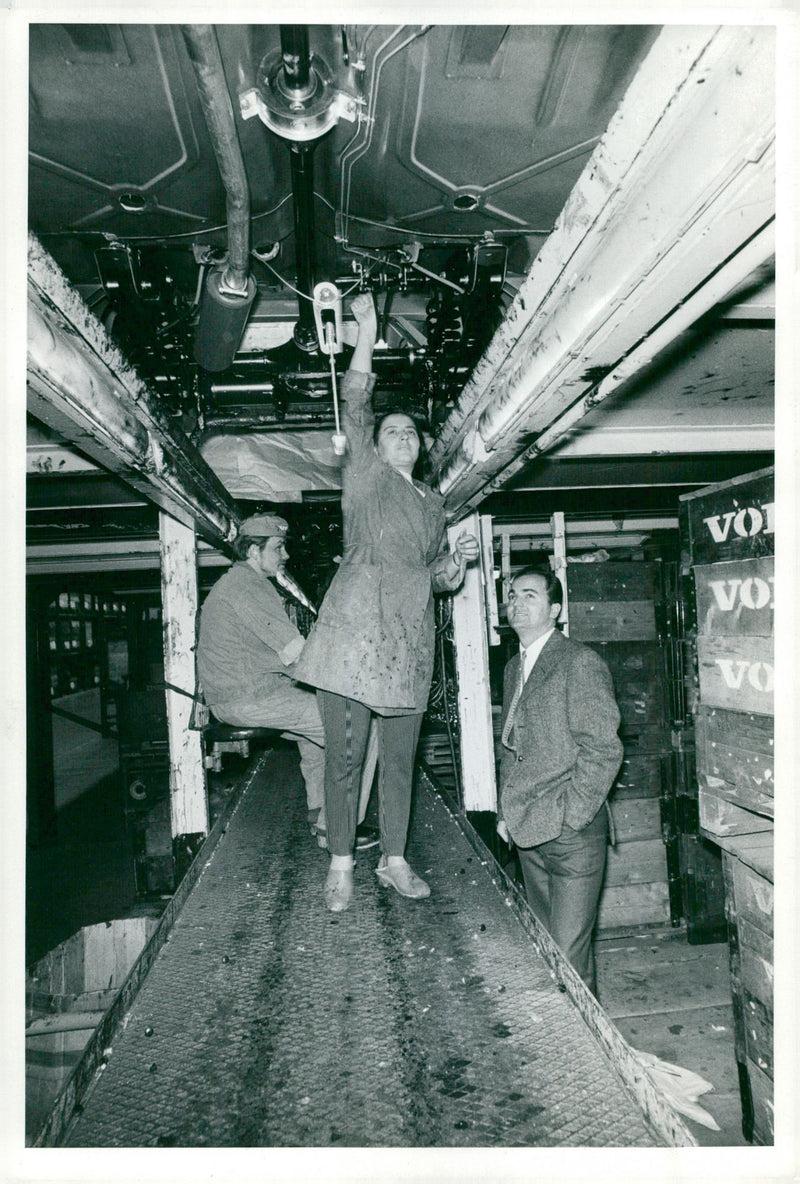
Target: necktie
x=508 y=727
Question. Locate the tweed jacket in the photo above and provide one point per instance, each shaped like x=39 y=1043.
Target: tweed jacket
x=374 y=637
x=564 y=751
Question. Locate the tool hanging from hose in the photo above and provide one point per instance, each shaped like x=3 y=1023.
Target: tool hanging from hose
x=328 y=316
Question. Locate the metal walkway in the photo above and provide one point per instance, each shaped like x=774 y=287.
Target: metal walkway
x=267 y=1021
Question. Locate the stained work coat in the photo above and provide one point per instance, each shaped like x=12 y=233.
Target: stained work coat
x=374 y=638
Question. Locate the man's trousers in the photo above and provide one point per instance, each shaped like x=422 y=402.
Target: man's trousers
x=563 y=879
x=285 y=706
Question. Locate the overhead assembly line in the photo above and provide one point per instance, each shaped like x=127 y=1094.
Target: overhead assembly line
x=558 y=243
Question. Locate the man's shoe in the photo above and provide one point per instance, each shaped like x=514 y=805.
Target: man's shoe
x=366 y=837
x=338 y=890
x=400 y=877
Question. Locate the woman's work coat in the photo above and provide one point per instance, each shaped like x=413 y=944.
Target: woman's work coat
x=374 y=638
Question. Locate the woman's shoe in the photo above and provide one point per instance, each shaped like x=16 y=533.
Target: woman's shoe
x=338 y=890
x=366 y=837
x=400 y=877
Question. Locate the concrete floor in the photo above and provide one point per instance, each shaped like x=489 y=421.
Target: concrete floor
x=673 y=1000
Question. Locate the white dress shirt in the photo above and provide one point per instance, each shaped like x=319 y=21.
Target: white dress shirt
x=531 y=653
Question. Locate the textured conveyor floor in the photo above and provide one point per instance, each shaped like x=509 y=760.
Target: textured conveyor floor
x=268 y=1021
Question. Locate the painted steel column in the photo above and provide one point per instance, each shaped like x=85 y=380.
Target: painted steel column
x=81 y=384
x=187 y=775
x=470 y=633
x=681 y=183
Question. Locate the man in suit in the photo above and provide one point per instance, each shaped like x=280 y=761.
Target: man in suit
x=561 y=755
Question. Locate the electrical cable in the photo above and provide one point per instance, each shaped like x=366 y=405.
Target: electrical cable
x=297 y=291
x=448 y=725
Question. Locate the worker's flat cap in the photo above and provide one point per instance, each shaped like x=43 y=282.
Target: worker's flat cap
x=264 y=526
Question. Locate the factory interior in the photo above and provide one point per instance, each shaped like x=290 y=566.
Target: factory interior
x=569 y=233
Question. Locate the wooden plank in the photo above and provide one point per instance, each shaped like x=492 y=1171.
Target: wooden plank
x=757 y=963
x=737 y=673
x=756 y=851
x=179 y=598
x=640 y=862
x=639 y=776
x=67 y=1021
x=761 y=1088
x=758 y=1032
x=633 y=904
x=728 y=867
x=636 y=819
x=478 y=779
x=613 y=620
x=702 y=889
x=612 y=581
x=718 y=816
x=558 y=566
x=100 y=962
x=735 y=757
x=754 y=896
x=736 y=598
x=733 y=519
x=638 y=686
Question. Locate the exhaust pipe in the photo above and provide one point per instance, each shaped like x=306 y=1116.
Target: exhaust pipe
x=229 y=290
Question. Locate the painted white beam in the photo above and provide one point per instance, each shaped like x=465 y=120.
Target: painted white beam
x=661 y=440
x=80 y=385
x=114 y=555
x=470 y=632
x=584 y=527
x=682 y=182
x=179 y=600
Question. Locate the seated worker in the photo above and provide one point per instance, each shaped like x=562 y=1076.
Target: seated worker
x=562 y=753
x=246 y=655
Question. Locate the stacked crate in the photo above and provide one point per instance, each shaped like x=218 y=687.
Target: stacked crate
x=612 y=609
x=729 y=535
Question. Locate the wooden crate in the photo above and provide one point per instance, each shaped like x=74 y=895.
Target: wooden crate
x=735 y=757
x=720 y=817
x=731 y=520
x=636 y=819
x=749 y=904
x=612 y=581
x=636 y=670
x=761 y=1095
x=737 y=673
x=639 y=775
x=735 y=599
x=632 y=905
x=643 y=861
x=611 y=601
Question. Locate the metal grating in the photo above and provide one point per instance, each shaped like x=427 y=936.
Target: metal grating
x=267 y=1021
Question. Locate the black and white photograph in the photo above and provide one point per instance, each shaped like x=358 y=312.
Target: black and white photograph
x=382 y=381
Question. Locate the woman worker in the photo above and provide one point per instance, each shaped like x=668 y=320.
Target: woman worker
x=371 y=649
